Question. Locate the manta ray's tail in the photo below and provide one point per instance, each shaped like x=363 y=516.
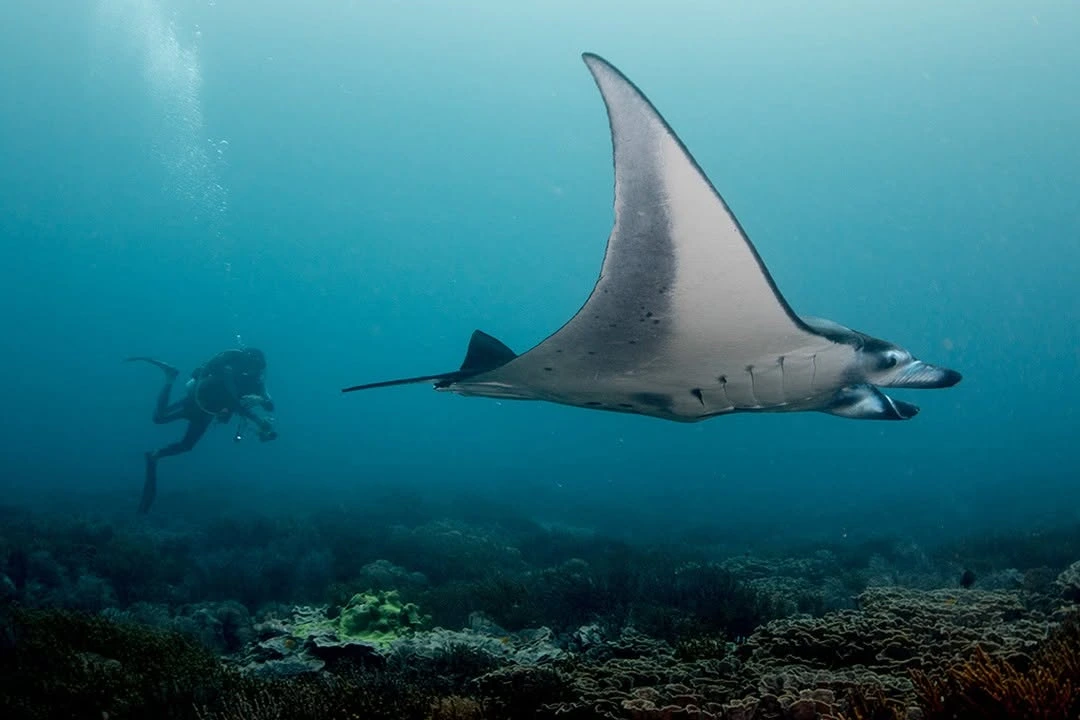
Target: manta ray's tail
x=483 y=354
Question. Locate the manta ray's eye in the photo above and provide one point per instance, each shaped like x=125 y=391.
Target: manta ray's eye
x=889 y=361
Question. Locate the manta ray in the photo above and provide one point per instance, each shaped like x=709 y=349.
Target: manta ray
x=685 y=322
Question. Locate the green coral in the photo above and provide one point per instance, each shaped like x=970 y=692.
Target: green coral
x=379 y=617
x=375 y=616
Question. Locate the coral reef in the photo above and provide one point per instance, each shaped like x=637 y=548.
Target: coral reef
x=894 y=630
x=259 y=617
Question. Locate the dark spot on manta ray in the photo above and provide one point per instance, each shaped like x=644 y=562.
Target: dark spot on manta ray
x=648 y=314
x=548 y=369
x=593 y=403
x=722 y=379
x=592 y=352
x=626 y=405
x=632 y=342
x=696 y=392
x=655 y=322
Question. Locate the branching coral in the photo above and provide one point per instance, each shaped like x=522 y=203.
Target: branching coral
x=871 y=704
x=362 y=695
x=992 y=688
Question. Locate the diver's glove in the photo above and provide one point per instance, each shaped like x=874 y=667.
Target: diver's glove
x=266 y=430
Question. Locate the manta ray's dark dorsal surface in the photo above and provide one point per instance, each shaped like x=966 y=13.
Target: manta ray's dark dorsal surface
x=685 y=322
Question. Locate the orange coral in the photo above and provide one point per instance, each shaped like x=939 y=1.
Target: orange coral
x=872 y=704
x=455 y=707
x=991 y=688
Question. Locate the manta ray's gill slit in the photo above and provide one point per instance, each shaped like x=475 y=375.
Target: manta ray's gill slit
x=696 y=392
x=753 y=389
x=723 y=387
x=780 y=362
x=813 y=371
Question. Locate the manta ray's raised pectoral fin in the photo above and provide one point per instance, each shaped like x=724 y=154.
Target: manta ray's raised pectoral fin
x=866 y=402
x=682 y=298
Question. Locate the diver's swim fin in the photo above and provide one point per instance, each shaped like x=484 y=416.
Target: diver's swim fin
x=165 y=367
x=149 y=491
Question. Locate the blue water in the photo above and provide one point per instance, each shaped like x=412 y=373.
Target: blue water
x=355 y=186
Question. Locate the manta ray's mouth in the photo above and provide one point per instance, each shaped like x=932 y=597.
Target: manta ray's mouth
x=920 y=375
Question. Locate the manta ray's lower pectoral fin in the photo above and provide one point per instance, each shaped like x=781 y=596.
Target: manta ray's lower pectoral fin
x=485 y=353
x=866 y=402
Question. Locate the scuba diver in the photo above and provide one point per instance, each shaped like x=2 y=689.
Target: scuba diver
x=229 y=383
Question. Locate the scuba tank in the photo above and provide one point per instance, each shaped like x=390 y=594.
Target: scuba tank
x=210 y=397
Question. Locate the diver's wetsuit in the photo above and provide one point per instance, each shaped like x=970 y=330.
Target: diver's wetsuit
x=184 y=409
x=216 y=390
